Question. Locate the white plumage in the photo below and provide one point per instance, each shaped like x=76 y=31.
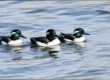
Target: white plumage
x=18 y=42
x=56 y=41
x=78 y=40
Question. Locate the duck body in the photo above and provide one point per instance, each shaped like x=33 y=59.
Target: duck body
x=79 y=40
x=44 y=42
x=50 y=40
x=13 y=40
x=18 y=42
x=5 y=40
x=72 y=38
x=68 y=37
x=76 y=37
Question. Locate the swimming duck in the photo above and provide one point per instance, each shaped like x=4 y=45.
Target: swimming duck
x=77 y=35
x=14 y=39
x=51 y=39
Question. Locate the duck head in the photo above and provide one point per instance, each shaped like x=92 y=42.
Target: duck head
x=77 y=34
x=15 y=34
x=50 y=34
x=81 y=31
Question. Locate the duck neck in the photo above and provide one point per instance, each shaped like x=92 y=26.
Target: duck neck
x=50 y=38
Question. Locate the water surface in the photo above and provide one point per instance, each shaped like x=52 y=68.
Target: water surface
x=33 y=18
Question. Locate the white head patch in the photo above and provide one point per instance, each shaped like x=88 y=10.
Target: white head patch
x=47 y=33
x=76 y=31
x=13 y=32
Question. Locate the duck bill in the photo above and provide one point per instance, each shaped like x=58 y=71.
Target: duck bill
x=23 y=36
x=86 y=33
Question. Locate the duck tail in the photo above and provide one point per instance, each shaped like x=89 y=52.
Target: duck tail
x=61 y=38
x=0 y=39
x=33 y=41
x=62 y=34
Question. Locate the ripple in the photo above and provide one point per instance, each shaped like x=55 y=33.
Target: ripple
x=102 y=12
x=37 y=11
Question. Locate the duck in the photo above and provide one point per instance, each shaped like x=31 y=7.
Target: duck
x=50 y=39
x=76 y=37
x=14 y=39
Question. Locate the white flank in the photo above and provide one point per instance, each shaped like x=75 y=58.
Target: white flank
x=3 y=43
x=18 y=42
x=68 y=40
x=41 y=44
x=54 y=42
x=78 y=40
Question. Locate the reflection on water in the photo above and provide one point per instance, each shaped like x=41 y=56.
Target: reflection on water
x=54 y=51
x=16 y=49
x=73 y=61
x=80 y=45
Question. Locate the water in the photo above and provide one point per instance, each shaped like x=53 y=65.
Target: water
x=33 y=18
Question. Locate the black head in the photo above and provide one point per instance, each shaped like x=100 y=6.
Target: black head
x=17 y=32
x=50 y=34
x=81 y=31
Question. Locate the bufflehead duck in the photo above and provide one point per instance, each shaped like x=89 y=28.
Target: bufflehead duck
x=77 y=35
x=14 y=39
x=51 y=39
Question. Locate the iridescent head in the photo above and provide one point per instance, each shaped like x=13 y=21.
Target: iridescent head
x=16 y=33
x=81 y=31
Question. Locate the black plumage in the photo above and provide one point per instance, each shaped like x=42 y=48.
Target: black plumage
x=68 y=36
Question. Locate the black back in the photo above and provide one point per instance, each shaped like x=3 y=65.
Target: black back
x=6 y=39
x=68 y=36
x=40 y=39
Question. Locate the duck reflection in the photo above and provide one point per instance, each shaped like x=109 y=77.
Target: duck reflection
x=80 y=45
x=79 y=48
x=35 y=48
x=16 y=49
x=54 y=51
x=49 y=52
x=16 y=52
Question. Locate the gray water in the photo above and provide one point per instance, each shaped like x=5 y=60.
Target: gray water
x=86 y=60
